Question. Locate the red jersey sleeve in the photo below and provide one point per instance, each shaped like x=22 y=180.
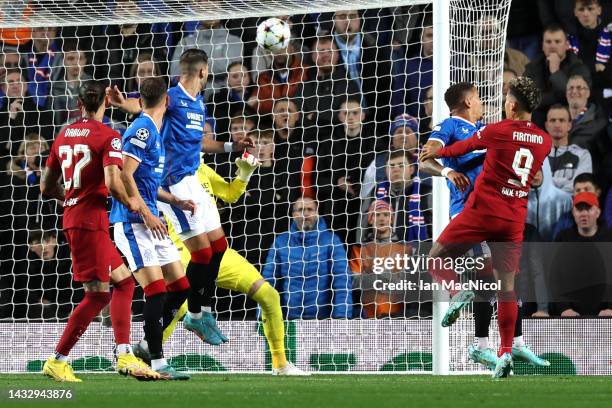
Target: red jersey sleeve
x=52 y=161
x=111 y=151
x=477 y=142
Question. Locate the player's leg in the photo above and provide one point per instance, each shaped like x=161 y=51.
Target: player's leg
x=218 y=245
x=238 y=274
x=177 y=287
x=507 y=311
x=121 y=307
x=520 y=350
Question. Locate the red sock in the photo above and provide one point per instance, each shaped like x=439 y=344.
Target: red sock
x=121 y=309
x=85 y=312
x=442 y=273
x=507 y=312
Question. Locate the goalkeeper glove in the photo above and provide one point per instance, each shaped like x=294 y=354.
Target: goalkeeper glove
x=247 y=164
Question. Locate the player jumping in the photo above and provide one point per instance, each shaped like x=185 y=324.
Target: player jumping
x=201 y=232
x=143 y=239
x=496 y=210
x=236 y=273
x=87 y=155
x=465 y=106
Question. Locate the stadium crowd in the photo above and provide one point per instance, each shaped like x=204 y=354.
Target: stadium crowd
x=338 y=121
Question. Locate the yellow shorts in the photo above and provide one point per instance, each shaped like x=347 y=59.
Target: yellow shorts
x=236 y=273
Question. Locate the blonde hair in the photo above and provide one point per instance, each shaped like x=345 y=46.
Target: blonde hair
x=30 y=138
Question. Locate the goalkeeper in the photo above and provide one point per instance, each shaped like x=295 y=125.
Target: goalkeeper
x=235 y=272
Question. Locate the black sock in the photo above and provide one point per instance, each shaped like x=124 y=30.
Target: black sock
x=518 y=327
x=210 y=282
x=152 y=328
x=173 y=302
x=196 y=276
x=482 y=318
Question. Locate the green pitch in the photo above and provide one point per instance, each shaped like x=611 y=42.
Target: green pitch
x=371 y=391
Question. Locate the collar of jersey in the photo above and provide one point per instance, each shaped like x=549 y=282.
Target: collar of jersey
x=465 y=120
x=146 y=115
x=185 y=92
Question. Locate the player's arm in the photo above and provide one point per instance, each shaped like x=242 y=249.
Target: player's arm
x=230 y=192
x=169 y=198
x=214 y=146
x=431 y=166
x=116 y=98
x=50 y=186
x=112 y=179
x=157 y=227
x=460 y=148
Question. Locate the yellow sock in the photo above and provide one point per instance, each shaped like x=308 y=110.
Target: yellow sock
x=272 y=317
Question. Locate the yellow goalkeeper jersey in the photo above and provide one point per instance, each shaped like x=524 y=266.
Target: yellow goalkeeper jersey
x=216 y=186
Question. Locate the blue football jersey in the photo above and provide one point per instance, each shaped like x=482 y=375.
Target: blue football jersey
x=182 y=134
x=452 y=130
x=143 y=142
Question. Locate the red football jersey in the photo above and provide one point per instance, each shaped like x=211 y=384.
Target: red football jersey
x=515 y=153
x=80 y=152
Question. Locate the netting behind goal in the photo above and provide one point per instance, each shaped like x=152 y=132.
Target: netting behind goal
x=337 y=118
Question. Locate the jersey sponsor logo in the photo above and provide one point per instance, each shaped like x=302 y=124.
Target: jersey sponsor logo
x=71 y=202
x=142 y=134
x=195 y=116
x=73 y=132
x=465 y=130
x=116 y=143
x=509 y=192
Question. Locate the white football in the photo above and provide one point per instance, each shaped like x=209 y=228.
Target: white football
x=273 y=35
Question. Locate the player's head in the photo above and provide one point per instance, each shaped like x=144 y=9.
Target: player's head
x=305 y=213
x=153 y=93
x=91 y=98
x=587 y=12
x=586 y=182
x=462 y=99
x=194 y=64
x=522 y=99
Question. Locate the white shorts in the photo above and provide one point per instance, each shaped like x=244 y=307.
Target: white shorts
x=141 y=248
x=185 y=224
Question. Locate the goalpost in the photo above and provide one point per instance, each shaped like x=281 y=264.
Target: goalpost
x=103 y=40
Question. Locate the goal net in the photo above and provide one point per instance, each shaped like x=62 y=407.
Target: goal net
x=337 y=118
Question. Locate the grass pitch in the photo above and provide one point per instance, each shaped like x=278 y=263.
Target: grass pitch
x=371 y=391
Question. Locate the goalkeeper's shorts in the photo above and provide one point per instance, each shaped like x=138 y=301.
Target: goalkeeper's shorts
x=236 y=273
x=185 y=224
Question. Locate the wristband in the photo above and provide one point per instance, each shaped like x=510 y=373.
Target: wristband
x=228 y=147
x=445 y=171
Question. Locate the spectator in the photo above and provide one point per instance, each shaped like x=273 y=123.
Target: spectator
x=280 y=81
x=20 y=115
x=366 y=64
x=557 y=12
x=588 y=120
x=591 y=42
x=566 y=160
x=145 y=66
x=546 y=203
x=584 y=182
x=580 y=286
x=222 y=48
x=43 y=60
x=507 y=76
x=405 y=137
x=308 y=267
x=230 y=101
x=65 y=91
x=418 y=71
x=552 y=69
x=352 y=149
x=49 y=283
x=403 y=190
x=264 y=207
x=326 y=89
x=524 y=28
x=381 y=243
x=426 y=123
x=9 y=58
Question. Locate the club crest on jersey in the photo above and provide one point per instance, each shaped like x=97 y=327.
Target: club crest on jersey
x=116 y=143
x=142 y=134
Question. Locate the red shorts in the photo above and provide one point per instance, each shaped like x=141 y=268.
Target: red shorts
x=505 y=238
x=94 y=255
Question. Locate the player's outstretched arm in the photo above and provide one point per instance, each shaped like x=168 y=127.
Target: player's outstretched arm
x=116 y=98
x=169 y=198
x=431 y=166
x=475 y=142
x=49 y=184
x=214 y=146
x=152 y=222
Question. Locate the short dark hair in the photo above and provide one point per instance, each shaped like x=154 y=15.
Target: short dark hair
x=455 y=94
x=558 y=106
x=526 y=93
x=14 y=70
x=586 y=178
x=152 y=91
x=38 y=236
x=191 y=60
x=91 y=95
x=553 y=28
x=233 y=64
x=587 y=2
x=401 y=153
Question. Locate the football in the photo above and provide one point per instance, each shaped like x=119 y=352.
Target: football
x=273 y=35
